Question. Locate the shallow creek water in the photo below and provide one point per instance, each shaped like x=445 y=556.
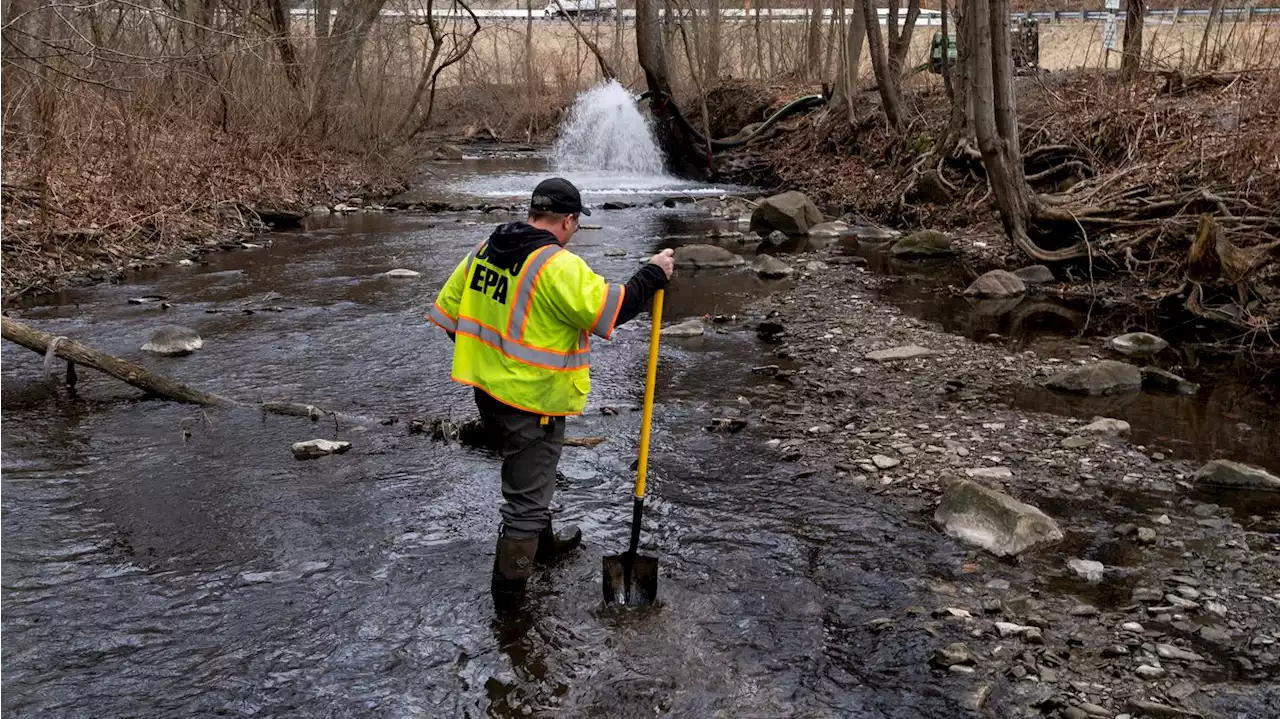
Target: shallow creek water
x=151 y=573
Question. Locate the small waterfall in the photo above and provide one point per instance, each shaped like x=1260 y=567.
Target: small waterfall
x=606 y=133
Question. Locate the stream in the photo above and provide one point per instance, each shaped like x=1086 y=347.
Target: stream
x=163 y=560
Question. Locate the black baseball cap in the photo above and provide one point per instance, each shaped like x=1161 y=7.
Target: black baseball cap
x=557 y=195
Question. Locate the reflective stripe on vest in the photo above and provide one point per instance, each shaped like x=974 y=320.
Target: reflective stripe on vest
x=547 y=359
x=608 y=311
x=524 y=291
x=442 y=318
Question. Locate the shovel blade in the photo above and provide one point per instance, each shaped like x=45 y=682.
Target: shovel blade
x=630 y=580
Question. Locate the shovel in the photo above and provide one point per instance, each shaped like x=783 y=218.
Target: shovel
x=631 y=579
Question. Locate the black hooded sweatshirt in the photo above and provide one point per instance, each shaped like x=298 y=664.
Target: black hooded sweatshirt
x=511 y=243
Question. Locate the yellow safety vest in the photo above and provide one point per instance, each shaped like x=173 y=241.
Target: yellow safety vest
x=523 y=335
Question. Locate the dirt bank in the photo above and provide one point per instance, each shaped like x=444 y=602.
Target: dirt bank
x=1139 y=164
x=1185 y=616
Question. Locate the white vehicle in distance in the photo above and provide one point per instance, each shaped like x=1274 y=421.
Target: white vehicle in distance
x=581 y=8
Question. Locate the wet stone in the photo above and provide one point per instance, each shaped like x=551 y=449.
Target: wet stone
x=689 y=328
x=993 y=520
x=885 y=462
x=1107 y=426
x=402 y=273
x=770 y=267
x=705 y=257
x=1138 y=344
x=314 y=448
x=1088 y=569
x=1097 y=378
x=1035 y=275
x=925 y=243
x=1147 y=671
x=996 y=284
x=789 y=212
x=952 y=655
x=1156 y=379
x=173 y=341
x=1075 y=442
x=905 y=352
x=1226 y=473
x=1146 y=535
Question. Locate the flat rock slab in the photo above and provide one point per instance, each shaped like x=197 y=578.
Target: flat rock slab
x=1097 y=378
x=705 y=257
x=905 y=352
x=993 y=520
x=318 y=448
x=1137 y=343
x=688 y=328
x=1226 y=473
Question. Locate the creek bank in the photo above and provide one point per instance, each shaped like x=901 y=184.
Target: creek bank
x=1197 y=579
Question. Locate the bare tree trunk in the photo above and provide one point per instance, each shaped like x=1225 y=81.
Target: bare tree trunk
x=846 y=89
x=284 y=45
x=900 y=37
x=682 y=153
x=760 y=67
x=711 y=57
x=1135 y=16
x=1214 y=12
x=880 y=64
x=947 y=82
x=530 y=85
x=324 y=8
x=813 y=44
x=996 y=125
x=350 y=29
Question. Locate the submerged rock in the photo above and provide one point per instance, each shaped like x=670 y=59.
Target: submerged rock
x=1226 y=473
x=790 y=212
x=829 y=229
x=993 y=520
x=688 y=328
x=997 y=284
x=770 y=267
x=1137 y=343
x=1035 y=275
x=705 y=256
x=925 y=243
x=173 y=341
x=1154 y=378
x=1097 y=378
x=402 y=273
x=319 y=448
x=952 y=655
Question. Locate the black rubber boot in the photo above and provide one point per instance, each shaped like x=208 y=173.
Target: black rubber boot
x=553 y=545
x=512 y=566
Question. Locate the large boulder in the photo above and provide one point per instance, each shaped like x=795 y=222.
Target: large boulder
x=770 y=267
x=1226 y=473
x=705 y=256
x=790 y=212
x=997 y=284
x=1105 y=377
x=993 y=520
x=173 y=341
x=925 y=243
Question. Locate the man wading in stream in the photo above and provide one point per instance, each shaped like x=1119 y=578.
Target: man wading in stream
x=520 y=309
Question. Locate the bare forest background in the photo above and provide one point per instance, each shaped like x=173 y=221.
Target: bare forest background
x=133 y=126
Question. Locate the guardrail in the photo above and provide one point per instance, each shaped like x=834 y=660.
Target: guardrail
x=927 y=17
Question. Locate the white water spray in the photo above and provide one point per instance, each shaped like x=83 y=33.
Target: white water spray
x=606 y=133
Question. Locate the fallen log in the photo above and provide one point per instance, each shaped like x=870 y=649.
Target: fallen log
x=123 y=370
x=144 y=379
x=76 y=353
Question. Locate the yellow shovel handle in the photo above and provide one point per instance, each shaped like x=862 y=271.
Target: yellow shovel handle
x=649 y=381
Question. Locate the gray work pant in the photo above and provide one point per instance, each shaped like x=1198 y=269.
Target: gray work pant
x=530 y=451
